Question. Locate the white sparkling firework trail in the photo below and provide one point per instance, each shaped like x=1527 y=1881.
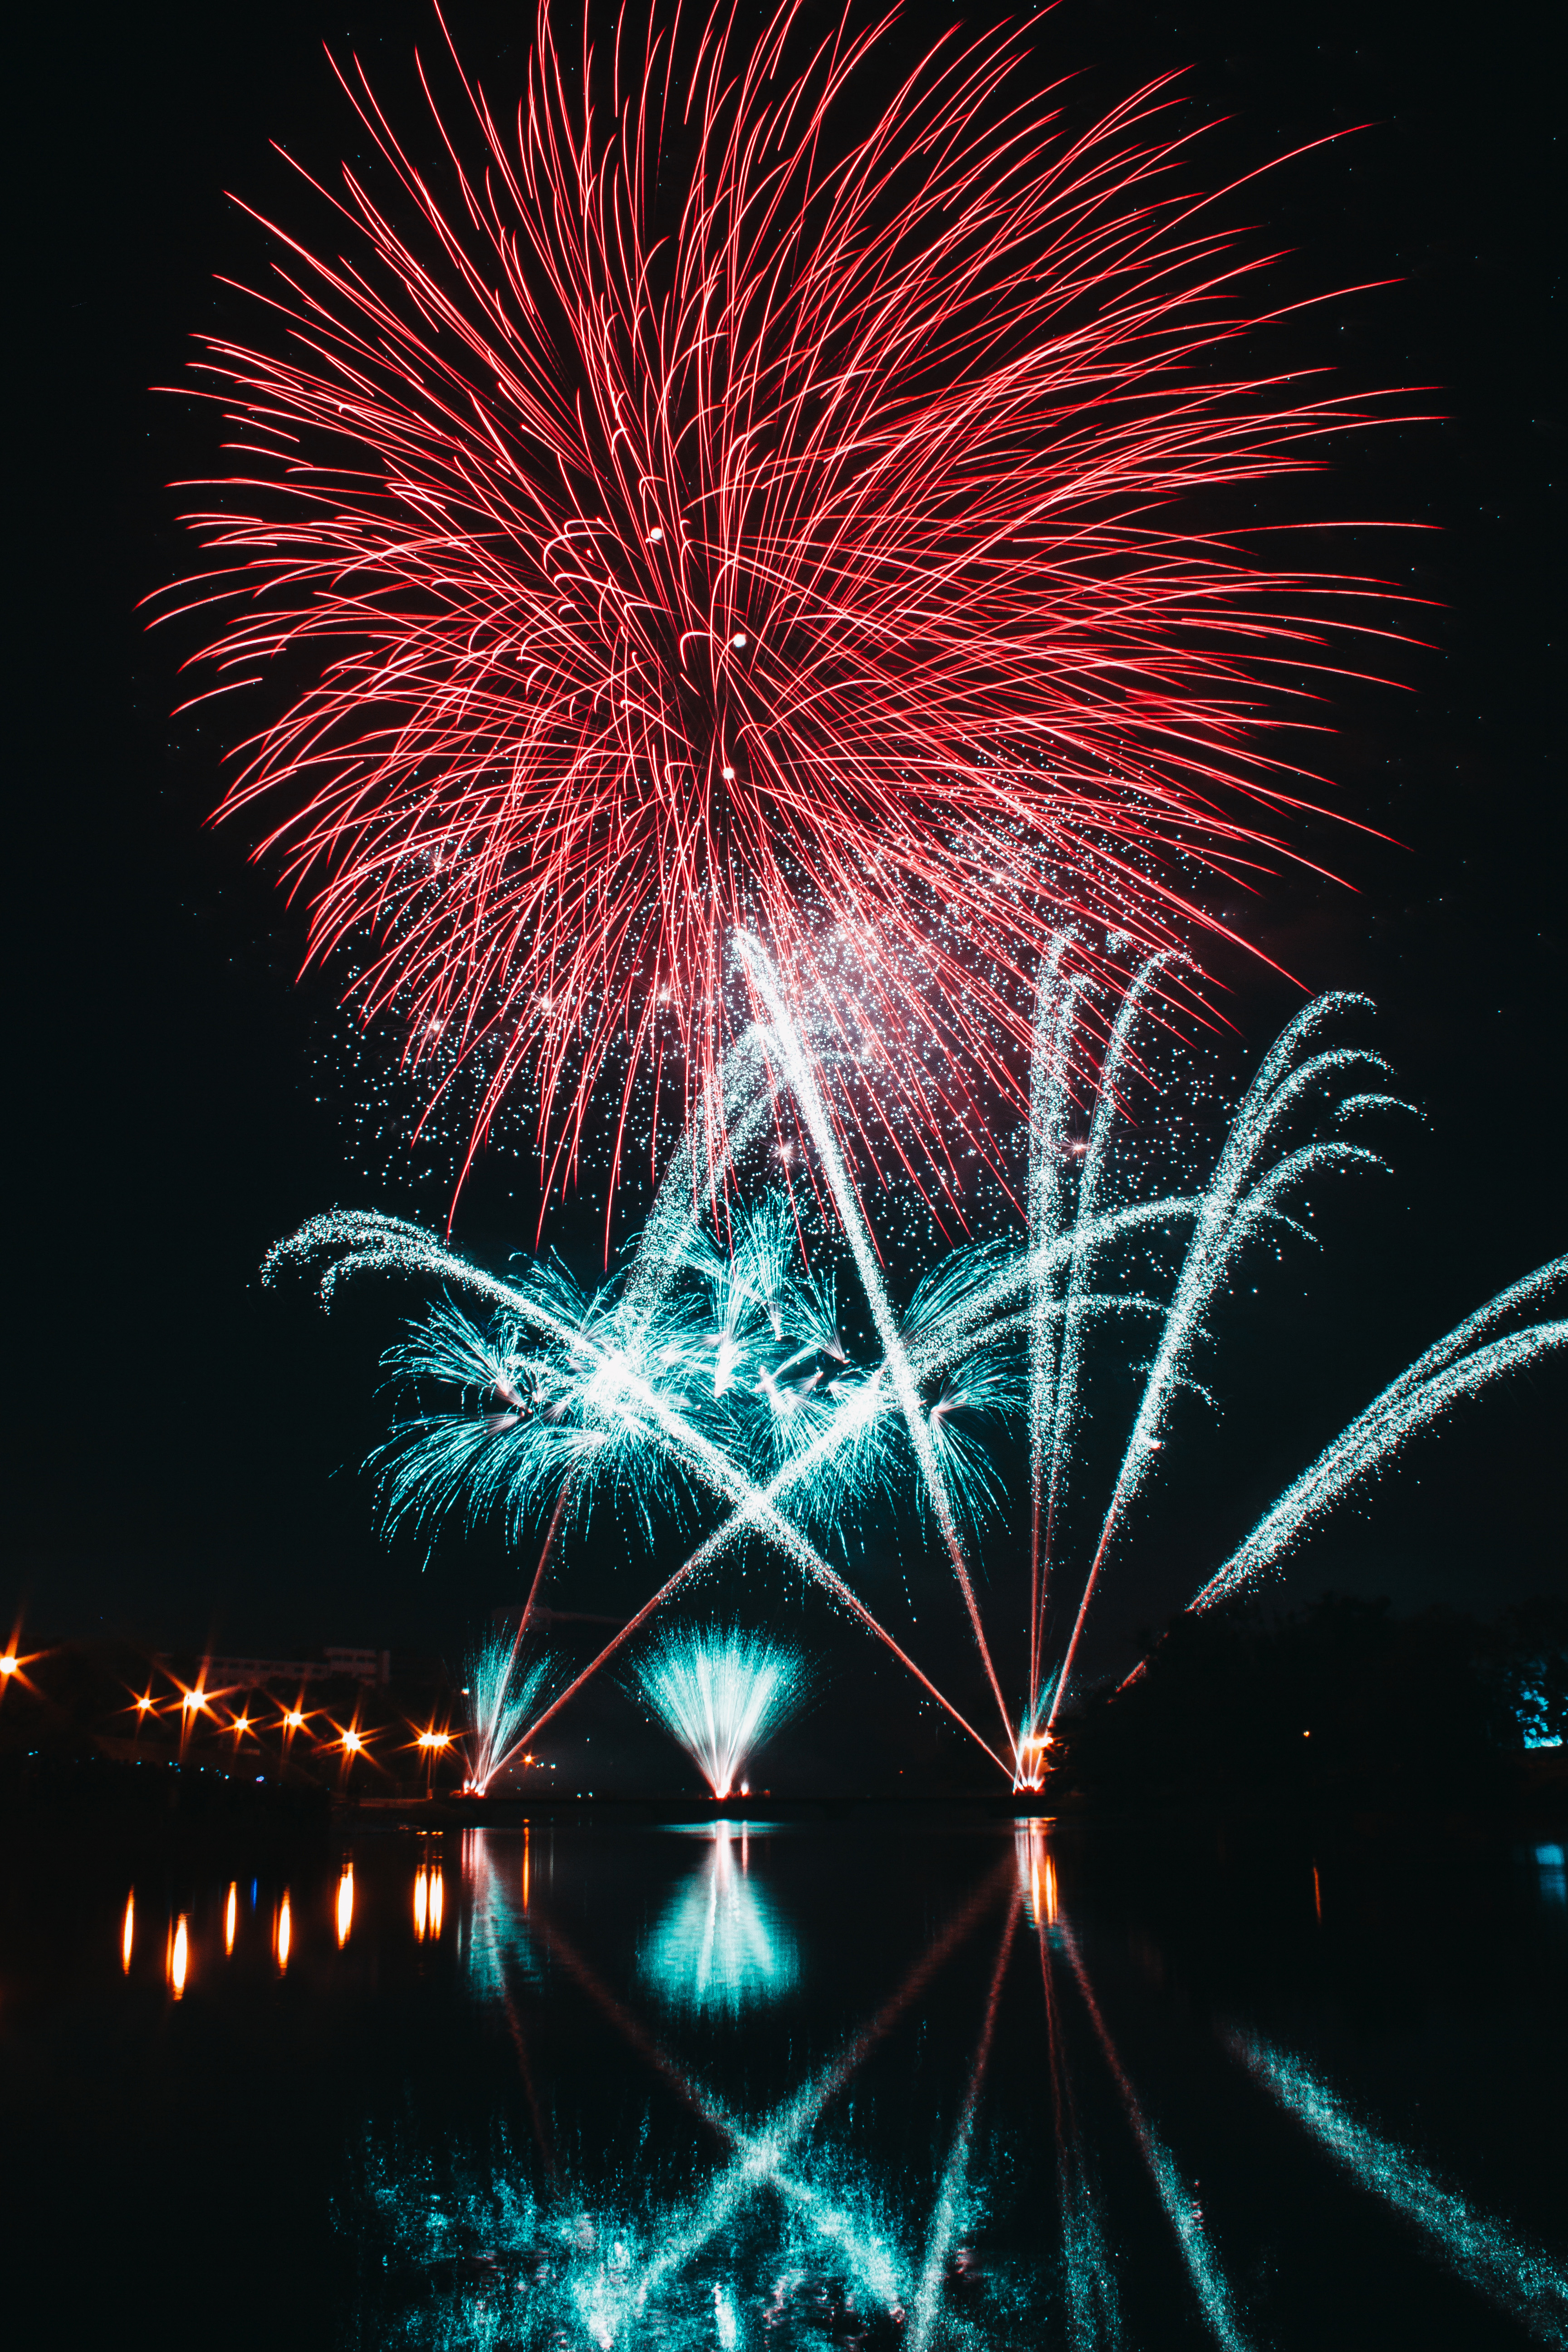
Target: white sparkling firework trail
x=750 y=1400
x=1049 y=1192
x=1235 y=1207
x=1089 y=1225
x=803 y=1085
x=1409 y=1405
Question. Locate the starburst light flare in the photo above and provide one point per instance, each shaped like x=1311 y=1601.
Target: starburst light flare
x=762 y=482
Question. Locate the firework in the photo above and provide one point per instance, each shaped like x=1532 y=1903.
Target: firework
x=503 y=1691
x=720 y=1693
x=723 y=499
x=713 y=1375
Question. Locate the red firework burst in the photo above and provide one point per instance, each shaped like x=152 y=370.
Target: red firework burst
x=692 y=519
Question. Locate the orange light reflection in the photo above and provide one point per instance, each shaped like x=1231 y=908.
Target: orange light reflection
x=180 y=1957
x=345 y=1904
x=421 y=1903
x=230 y=1917
x=128 y=1931
x=285 y=1932
x=1038 y=1875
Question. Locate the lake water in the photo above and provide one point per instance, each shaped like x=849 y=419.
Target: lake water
x=892 y=2079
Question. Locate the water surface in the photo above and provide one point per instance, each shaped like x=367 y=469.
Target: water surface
x=894 y=2079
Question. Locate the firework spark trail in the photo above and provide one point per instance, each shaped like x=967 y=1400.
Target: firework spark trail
x=1181 y=2206
x=926 y=2308
x=1521 y=2279
x=645 y=1389
x=742 y=1103
x=721 y=1695
x=1001 y=1305
x=1051 y=1101
x=824 y=1575
x=1373 y=1441
x=1089 y=1227
x=804 y=1087
x=1236 y=1205
x=499 y=1701
x=386 y=1243
x=777 y=525
x=546 y=1553
x=937 y=1349
x=729 y=1117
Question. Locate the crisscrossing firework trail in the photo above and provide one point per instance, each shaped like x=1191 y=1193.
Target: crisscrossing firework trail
x=717 y=1377
x=686 y=509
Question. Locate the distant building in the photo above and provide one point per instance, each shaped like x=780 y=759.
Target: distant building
x=507 y=1620
x=334 y=1665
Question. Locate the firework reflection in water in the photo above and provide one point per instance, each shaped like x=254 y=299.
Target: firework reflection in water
x=720 y=1693
x=720 y=1946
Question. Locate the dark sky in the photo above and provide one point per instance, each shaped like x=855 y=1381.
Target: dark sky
x=176 y=1104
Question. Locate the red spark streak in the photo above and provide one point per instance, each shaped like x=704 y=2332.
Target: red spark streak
x=787 y=543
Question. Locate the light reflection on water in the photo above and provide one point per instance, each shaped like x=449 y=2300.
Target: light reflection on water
x=779 y=2223
x=720 y=1946
x=815 y=2088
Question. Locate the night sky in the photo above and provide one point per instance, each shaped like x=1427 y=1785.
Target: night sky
x=184 y=1442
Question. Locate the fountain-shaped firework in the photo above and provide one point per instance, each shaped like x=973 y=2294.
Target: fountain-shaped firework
x=501 y=1690
x=720 y=1693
